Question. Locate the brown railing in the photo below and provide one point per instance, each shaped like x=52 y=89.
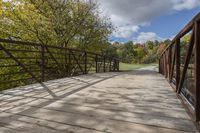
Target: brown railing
x=180 y=63
x=23 y=63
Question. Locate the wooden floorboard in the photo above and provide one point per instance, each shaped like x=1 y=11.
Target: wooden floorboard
x=125 y=102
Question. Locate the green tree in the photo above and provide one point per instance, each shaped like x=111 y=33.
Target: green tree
x=141 y=53
x=150 y=45
x=67 y=23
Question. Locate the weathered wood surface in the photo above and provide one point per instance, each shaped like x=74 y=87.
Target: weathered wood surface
x=135 y=102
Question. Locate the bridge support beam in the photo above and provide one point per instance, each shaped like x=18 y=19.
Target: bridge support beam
x=177 y=63
x=197 y=70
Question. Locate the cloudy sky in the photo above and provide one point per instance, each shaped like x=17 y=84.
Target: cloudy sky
x=141 y=20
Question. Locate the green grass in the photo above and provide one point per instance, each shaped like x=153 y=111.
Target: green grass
x=130 y=67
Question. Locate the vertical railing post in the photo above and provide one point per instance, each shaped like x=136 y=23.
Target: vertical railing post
x=96 y=61
x=104 y=63
x=69 y=63
x=118 y=65
x=110 y=64
x=65 y=54
x=164 y=64
x=177 y=45
x=197 y=71
x=85 y=62
x=165 y=56
x=159 y=66
x=170 y=62
x=42 y=63
x=167 y=63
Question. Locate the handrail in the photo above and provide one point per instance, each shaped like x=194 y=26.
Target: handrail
x=180 y=62
x=184 y=31
x=19 y=60
x=39 y=44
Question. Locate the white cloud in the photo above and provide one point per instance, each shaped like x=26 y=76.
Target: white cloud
x=185 y=4
x=126 y=31
x=147 y=36
x=130 y=15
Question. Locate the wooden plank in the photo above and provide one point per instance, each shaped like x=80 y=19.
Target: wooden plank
x=100 y=102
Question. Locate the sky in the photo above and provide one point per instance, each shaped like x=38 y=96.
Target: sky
x=143 y=20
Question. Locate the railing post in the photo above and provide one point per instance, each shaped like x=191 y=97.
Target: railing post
x=42 y=63
x=104 y=63
x=177 y=63
x=170 y=62
x=85 y=62
x=159 y=66
x=117 y=65
x=165 y=64
x=66 y=71
x=110 y=66
x=96 y=61
x=162 y=68
x=197 y=71
x=69 y=63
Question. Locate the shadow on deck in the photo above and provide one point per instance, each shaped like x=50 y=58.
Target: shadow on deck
x=140 y=101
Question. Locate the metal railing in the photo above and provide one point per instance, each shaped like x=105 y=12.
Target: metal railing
x=180 y=63
x=23 y=63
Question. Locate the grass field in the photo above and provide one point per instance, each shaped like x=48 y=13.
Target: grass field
x=130 y=67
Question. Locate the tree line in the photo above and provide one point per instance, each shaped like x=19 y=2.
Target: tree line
x=139 y=53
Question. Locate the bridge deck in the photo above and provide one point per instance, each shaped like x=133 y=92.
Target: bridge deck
x=140 y=101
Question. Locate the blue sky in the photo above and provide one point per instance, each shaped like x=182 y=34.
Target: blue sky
x=169 y=25
x=143 y=20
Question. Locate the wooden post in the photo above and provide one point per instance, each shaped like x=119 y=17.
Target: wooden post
x=42 y=63
x=197 y=71
x=177 y=62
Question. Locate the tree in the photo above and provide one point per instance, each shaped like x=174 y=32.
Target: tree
x=128 y=52
x=141 y=52
x=67 y=23
x=150 y=45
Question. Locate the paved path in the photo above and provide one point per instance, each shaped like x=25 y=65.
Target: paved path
x=131 y=102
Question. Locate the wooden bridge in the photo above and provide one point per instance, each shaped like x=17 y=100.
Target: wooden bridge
x=120 y=102
x=63 y=96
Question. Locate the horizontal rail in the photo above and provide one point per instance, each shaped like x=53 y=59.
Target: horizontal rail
x=51 y=62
